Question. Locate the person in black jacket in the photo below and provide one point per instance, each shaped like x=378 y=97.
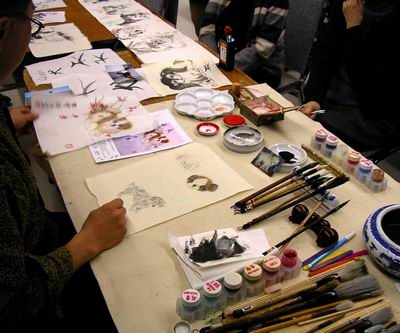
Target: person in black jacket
x=355 y=61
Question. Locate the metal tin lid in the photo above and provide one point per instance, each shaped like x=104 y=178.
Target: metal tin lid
x=234 y=120
x=252 y=272
x=191 y=297
x=207 y=129
x=243 y=139
x=212 y=288
x=233 y=281
x=271 y=263
x=181 y=326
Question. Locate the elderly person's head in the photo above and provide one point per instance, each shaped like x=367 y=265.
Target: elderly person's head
x=15 y=33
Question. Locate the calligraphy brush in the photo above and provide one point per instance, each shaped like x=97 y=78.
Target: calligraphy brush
x=294 y=235
x=303 y=223
x=325 y=324
x=297 y=199
x=307 y=176
x=330 y=315
x=345 y=290
x=345 y=274
x=240 y=203
x=378 y=317
x=271 y=326
x=313 y=182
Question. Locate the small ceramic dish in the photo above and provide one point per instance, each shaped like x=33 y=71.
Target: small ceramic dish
x=207 y=129
x=243 y=139
x=291 y=155
x=204 y=103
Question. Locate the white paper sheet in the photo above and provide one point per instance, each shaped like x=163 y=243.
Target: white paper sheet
x=171 y=77
x=149 y=37
x=166 y=136
x=167 y=185
x=89 y=61
x=85 y=84
x=67 y=123
x=58 y=39
x=50 y=17
x=198 y=276
x=48 y=4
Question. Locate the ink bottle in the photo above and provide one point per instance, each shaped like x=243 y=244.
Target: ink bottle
x=330 y=145
x=253 y=280
x=227 y=50
x=213 y=297
x=377 y=181
x=352 y=161
x=272 y=266
x=363 y=170
x=234 y=288
x=318 y=139
x=189 y=306
x=291 y=264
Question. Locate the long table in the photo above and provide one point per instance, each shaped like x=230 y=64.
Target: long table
x=141 y=279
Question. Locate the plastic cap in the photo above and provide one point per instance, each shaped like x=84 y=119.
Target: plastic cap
x=233 y=281
x=252 y=272
x=271 y=264
x=212 y=288
x=191 y=297
x=366 y=164
x=332 y=140
x=321 y=134
x=354 y=156
x=227 y=29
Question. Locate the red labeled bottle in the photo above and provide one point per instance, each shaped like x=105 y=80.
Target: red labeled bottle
x=227 y=49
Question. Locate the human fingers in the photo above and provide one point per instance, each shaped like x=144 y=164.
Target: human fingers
x=116 y=203
x=29 y=116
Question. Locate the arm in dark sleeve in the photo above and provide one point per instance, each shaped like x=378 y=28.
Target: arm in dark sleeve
x=207 y=31
x=326 y=57
x=28 y=283
x=262 y=46
x=371 y=62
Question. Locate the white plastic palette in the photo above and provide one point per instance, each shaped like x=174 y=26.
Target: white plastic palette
x=204 y=103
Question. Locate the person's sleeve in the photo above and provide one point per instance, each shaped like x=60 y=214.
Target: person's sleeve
x=28 y=283
x=207 y=31
x=262 y=46
x=370 y=75
x=326 y=56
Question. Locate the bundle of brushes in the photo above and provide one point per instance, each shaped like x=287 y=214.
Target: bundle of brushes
x=332 y=294
x=292 y=183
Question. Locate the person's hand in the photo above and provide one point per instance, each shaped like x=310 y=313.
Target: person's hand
x=105 y=227
x=21 y=117
x=353 y=12
x=309 y=107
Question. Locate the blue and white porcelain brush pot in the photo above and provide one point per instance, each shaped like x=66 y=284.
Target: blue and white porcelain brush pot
x=382 y=237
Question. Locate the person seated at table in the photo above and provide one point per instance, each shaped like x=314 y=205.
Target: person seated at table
x=355 y=61
x=42 y=261
x=258 y=27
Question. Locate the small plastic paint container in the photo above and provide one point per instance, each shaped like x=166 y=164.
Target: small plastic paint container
x=377 y=181
x=213 y=297
x=319 y=139
x=189 y=306
x=181 y=326
x=291 y=264
x=330 y=145
x=234 y=120
x=207 y=129
x=272 y=266
x=363 y=170
x=234 y=288
x=352 y=161
x=254 y=283
x=339 y=155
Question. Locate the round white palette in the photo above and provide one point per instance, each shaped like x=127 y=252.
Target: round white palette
x=204 y=103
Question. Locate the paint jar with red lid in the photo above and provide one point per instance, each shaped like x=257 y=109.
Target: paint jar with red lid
x=291 y=264
x=189 y=306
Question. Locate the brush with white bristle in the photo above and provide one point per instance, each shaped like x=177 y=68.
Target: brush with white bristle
x=380 y=316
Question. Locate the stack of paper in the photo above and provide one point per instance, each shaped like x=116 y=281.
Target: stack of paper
x=234 y=250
